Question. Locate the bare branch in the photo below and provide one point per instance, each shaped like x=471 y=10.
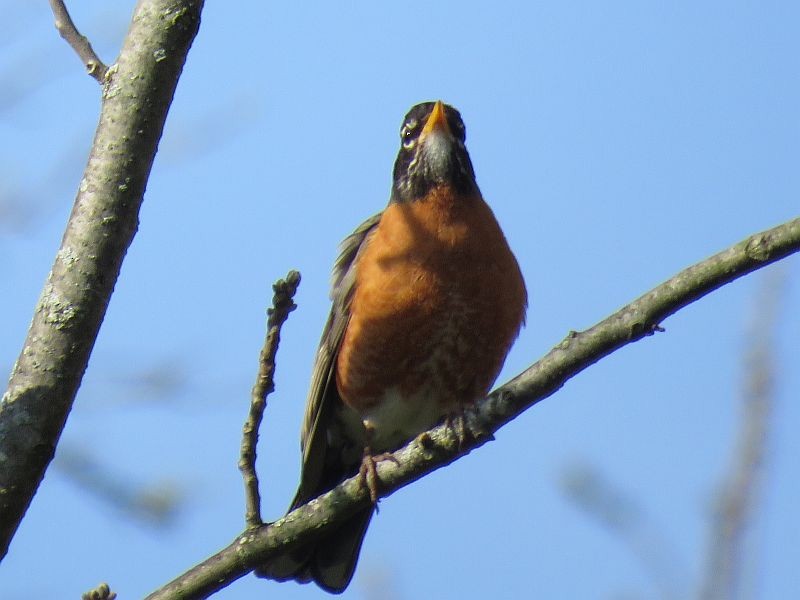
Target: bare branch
x=440 y=446
x=137 y=94
x=80 y=43
x=738 y=498
x=282 y=305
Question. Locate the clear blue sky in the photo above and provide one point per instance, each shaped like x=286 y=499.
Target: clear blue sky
x=617 y=143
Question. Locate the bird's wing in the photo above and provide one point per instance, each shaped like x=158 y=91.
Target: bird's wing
x=322 y=394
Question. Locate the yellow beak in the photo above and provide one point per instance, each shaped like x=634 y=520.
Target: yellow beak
x=437 y=120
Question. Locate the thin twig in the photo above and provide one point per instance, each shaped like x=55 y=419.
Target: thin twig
x=738 y=499
x=80 y=43
x=282 y=305
x=438 y=447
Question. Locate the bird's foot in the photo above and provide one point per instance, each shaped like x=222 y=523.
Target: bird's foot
x=466 y=429
x=369 y=472
x=456 y=423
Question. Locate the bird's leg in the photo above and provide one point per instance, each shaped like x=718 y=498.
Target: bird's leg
x=368 y=470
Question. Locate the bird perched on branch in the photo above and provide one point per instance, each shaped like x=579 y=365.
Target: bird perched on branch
x=427 y=300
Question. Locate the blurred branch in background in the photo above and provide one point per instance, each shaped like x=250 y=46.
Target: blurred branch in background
x=156 y=504
x=739 y=498
x=625 y=517
x=158 y=383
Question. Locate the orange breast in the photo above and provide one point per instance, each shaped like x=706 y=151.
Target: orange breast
x=438 y=302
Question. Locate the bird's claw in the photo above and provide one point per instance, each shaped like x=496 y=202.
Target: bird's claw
x=369 y=471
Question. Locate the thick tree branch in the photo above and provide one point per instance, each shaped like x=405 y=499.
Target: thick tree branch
x=440 y=447
x=137 y=93
x=80 y=43
x=282 y=305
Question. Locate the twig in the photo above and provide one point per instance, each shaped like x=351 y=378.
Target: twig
x=282 y=305
x=738 y=498
x=439 y=447
x=80 y=43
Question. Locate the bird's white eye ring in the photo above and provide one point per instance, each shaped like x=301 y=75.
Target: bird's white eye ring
x=407 y=133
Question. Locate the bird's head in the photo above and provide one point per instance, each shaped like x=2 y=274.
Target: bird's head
x=432 y=153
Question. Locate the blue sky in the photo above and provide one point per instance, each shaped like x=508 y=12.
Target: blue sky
x=616 y=142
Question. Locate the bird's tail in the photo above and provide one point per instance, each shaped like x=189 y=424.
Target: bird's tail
x=329 y=562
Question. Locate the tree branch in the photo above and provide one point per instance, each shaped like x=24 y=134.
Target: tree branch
x=80 y=43
x=136 y=97
x=439 y=446
x=282 y=305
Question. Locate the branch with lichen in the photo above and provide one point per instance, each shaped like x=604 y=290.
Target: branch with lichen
x=137 y=93
x=441 y=446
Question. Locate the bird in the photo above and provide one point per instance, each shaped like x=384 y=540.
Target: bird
x=427 y=299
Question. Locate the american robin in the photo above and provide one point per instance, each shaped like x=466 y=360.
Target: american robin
x=427 y=300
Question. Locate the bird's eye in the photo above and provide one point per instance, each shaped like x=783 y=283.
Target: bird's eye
x=407 y=133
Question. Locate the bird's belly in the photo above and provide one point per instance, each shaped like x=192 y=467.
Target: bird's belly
x=401 y=398
x=414 y=355
x=438 y=303
x=397 y=417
